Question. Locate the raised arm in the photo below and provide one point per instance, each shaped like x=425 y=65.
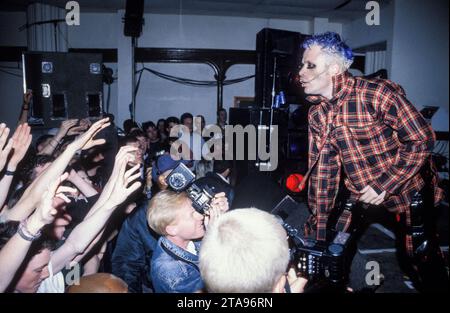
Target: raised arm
x=15 y=250
x=32 y=194
x=21 y=141
x=66 y=126
x=5 y=145
x=82 y=236
x=23 y=118
x=86 y=188
x=124 y=152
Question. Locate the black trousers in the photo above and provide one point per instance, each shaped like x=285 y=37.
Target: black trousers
x=427 y=268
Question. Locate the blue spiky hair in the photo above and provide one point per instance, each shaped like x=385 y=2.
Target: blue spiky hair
x=331 y=43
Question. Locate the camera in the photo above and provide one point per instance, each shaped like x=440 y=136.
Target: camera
x=317 y=261
x=182 y=179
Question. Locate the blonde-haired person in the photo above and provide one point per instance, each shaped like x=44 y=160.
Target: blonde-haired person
x=174 y=265
x=246 y=250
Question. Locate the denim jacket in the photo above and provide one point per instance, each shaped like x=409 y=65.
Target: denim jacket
x=174 y=269
x=133 y=252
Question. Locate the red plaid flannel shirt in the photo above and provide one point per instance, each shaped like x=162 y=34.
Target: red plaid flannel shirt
x=376 y=135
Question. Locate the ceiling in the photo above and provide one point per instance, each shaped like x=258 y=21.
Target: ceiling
x=334 y=10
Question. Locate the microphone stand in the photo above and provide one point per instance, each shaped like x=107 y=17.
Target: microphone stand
x=262 y=125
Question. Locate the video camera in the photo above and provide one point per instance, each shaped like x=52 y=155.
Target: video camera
x=314 y=260
x=182 y=179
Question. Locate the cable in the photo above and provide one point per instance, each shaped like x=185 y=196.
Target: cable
x=109 y=96
x=133 y=110
x=64 y=37
x=196 y=83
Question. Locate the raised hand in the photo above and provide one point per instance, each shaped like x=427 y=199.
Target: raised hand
x=86 y=123
x=21 y=141
x=121 y=189
x=86 y=140
x=218 y=206
x=27 y=97
x=65 y=127
x=46 y=209
x=4 y=150
x=125 y=152
x=76 y=130
x=220 y=201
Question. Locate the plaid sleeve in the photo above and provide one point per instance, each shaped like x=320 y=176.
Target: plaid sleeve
x=416 y=139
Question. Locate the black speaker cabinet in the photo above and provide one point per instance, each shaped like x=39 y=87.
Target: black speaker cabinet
x=279 y=54
x=134 y=11
x=257 y=116
x=65 y=85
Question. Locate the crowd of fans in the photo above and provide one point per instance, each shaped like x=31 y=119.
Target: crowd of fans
x=86 y=208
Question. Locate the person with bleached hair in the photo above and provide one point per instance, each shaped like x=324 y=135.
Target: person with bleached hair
x=246 y=250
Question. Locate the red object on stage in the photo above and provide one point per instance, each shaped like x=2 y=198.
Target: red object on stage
x=293 y=182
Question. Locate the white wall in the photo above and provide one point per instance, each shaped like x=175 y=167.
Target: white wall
x=160 y=98
x=420 y=54
x=416 y=33
x=358 y=34
x=406 y=26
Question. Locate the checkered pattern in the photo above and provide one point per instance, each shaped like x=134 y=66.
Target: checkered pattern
x=371 y=131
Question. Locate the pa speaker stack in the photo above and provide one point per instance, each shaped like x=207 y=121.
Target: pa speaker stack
x=64 y=85
x=134 y=12
x=279 y=55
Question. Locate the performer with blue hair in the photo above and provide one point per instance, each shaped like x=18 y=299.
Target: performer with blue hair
x=366 y=131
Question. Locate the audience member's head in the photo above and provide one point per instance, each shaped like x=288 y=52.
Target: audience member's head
x=36 y=166
x=42 y=142
x=99 y=283
x=171 y=121
x=134 y=142
x=245 y=250
x=222 y=117
x=161 y=126
x=171 y=214
x=129 y=125
x=151 y=131
x=186 y=119
x=142 y=138
x=34 y=267
x=162 y=167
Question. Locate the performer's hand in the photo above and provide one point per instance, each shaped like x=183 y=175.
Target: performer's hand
x=369 y=196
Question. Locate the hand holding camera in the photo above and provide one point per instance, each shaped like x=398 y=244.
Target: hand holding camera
x=203 y=199
x=218 y=206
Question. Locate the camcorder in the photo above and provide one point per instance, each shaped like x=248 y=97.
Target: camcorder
x=317 y=261
x=183 y=179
